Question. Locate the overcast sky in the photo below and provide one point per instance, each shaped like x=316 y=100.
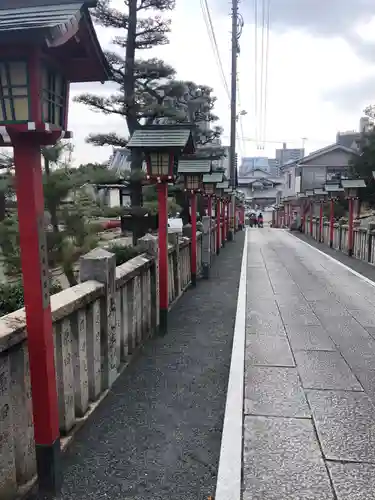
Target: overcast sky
x=321 y=71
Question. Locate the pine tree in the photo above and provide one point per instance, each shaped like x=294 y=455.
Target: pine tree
x=138 y=79
x=147 y=89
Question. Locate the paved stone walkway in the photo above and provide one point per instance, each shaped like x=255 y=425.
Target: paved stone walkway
x=157 y=435
x=309 y=423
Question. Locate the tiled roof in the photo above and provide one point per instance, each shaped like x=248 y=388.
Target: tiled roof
x=213 y=178
x=159 y=137
x=194 y=166
x=38 y=15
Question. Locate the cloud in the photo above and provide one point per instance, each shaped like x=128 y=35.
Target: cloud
x=354 y=96
x=323 y=18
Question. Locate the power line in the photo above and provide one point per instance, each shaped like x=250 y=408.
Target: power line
x=267 y=27
x=211 y=32
x=215 y=49
x=256 y=66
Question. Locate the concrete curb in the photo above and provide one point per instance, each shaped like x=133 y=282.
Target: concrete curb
x=229 y=480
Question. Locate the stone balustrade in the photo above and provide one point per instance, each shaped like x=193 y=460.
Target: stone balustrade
x=363 y=238
x=98 y=325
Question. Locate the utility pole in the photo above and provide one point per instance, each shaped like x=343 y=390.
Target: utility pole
x=237 y=24
x=233 y=97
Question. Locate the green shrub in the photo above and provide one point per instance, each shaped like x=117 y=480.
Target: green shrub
x=11 y=296
x=124 y=253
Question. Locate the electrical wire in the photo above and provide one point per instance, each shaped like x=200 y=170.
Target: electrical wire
x=267 y=28
x=215 y=49
x=261 y=10
x=256 y=67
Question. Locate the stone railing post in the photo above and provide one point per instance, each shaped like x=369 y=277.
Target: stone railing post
x=173 y=239
x=149 y=244
x=206 y=247
x=370 y=239
x=100 y=265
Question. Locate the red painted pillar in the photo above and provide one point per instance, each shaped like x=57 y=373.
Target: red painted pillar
x=311 y=218
x=223 y=235
x=35 y=274
x=331 y=221
x=303 y=218
x=350 y=229
x=228 y=221
x=218 y=230
x=321 y=222
x=193 y=263
x=163 y=256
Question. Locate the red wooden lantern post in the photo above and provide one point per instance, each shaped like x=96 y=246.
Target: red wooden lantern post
x=219 y=193
x=333 y=190
x=227 y=225
x=331 y=220
x=222 y=186
x=162 y=145
x=193 y=169
x=209 y=187
x=41 y=52
x=351 y=187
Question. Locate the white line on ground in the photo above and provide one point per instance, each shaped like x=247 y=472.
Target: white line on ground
x=229 y=481
x=359 y=275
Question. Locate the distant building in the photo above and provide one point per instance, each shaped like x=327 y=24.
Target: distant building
x=349 y=139
x=285 y=154
x=251 y=163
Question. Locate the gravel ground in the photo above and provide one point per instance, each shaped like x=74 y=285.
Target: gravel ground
x=157 y=435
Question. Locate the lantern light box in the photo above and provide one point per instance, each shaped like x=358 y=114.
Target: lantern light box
x=210 y=181
x=351 y=186
x=44 y=46
x=162 y=145
x=193 y=169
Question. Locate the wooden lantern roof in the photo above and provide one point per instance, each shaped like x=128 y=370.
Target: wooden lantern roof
x=62 y=29
x=155 y=137
x=194 y=166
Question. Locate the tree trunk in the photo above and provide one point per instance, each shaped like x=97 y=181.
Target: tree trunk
x=52 y=209
x=130 y=111
x=70 y=275
x=2 y=206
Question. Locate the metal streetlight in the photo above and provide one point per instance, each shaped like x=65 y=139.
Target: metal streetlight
x=162 y=145
x=44 y=47
x=333 y=191
x=351 y=187
x=193 y=169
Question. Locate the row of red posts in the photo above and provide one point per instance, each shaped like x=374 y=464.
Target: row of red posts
x=281 y=218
